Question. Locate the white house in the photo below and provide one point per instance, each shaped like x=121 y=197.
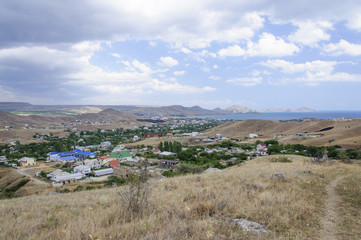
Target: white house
x=59 y=175
x=253 y=135
x=26 y=161
x=82 y=169
x=92 y=163
x=105 y=144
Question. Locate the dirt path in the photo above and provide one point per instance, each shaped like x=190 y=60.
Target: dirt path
x=35 y=180
x=329 y=221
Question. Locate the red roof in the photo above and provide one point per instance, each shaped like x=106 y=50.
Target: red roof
x=263 y=144
x=114 y=163
x=155 y=150
x=104 y=157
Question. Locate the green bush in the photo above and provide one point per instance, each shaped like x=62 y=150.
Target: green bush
x=281 y=159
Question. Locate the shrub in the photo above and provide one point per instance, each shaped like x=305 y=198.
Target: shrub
x=281 y=159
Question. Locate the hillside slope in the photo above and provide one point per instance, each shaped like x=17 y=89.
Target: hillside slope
x=189 y=207
x=319 y=132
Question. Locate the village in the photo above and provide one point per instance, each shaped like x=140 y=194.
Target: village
x=83 y=166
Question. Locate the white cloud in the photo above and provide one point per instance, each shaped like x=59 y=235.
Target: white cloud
x=312 y=73
x=167 y=62
x=245 y=81
x=116 y=55
x=343 y=47
x=310 y=33
x=231 y=51
x=290 y=67
x=270 y=46
x=178 y=73
x=267 y=46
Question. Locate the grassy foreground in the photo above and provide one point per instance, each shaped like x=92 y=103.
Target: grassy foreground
x=189 y=207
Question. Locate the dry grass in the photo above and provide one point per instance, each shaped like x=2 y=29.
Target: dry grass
x=350 y=211
x=187 y=207
x=344 y=133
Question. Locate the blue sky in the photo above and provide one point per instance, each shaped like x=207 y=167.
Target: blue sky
x=259 y=54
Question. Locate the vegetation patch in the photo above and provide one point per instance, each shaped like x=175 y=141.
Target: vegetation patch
x=281 y=159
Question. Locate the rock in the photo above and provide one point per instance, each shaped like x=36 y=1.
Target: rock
x=249 y=226
x=278 y=176
x=212 y=170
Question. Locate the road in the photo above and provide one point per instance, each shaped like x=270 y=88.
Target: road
x=37 y=181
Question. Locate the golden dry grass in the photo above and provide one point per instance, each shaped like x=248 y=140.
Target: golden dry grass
x=344 y=133
x=188 y=207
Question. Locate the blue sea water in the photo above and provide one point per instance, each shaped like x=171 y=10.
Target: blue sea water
x=284 y=116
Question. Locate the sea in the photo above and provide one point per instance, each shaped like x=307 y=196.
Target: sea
x=288 y=116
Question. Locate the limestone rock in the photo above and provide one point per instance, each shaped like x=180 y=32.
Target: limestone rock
x=249 y=226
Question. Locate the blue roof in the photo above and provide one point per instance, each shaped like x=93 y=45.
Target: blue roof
x=53 y=153
x=68 y=158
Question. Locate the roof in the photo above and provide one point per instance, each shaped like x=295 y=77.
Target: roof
x=104 y=157
x=114 y=163
x=81 y=167
x=121 y=154
x=104 y=170
x=68 y=158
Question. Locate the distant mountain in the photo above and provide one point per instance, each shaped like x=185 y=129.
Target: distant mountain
x=304 y=109
x=111 y=115
x=235 y=109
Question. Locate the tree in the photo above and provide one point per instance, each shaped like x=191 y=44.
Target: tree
x=134 y=198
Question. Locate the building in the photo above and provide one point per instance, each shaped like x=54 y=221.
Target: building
x=105 y=159
x=102 y=172
x=92 y=163
x=252 y=135
x=153 y=135
x=61 y=176
x=121 y=172
x=121 y=156
x=26 y=161
x=84 y=170
x=76 y=154
x=114 y=163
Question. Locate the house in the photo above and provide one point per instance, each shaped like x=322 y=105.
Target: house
x=105 y=159
x=114 y=163
x=261 y=147
x=121 y=172
x=61 y=176
x=121 y=156
x=169 y=135
x=92 y=163
x=168 y=163
x=156 y=151
x=135 y=138
x=252 y=135
x=26 y=161
x=152 y=135
x=82 y=169
x=165 y=153
x=105 y=145
x=102 y=172
x=77 y=154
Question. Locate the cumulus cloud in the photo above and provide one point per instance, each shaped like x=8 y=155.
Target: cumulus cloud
x=167 y=62
x=267 y=46
x=246 y=81
x=343 y=47
x=310 y=33
x=270 y=46
x=231 y=51
x=312 y=73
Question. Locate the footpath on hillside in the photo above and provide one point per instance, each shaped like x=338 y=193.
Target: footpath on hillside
x=329 y=221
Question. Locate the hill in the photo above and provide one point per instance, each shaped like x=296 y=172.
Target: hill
x=202 y=206
x=315 y=132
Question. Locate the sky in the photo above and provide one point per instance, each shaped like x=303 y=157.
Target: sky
x=259 y=54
